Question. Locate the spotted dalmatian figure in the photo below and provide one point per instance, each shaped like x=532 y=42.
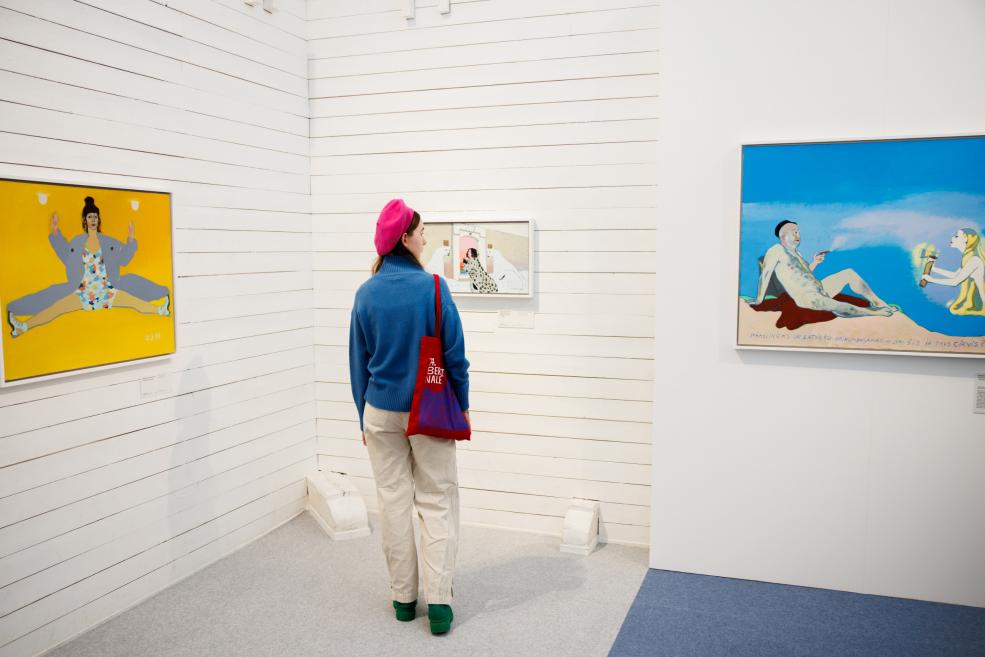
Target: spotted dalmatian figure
x=482 y=282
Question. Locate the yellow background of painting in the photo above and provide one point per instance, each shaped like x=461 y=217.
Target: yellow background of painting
x=28 y=264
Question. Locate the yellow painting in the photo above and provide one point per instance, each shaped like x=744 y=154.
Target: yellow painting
x=86 y=278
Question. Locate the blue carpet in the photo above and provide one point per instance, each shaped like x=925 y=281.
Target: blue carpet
x=683 y=615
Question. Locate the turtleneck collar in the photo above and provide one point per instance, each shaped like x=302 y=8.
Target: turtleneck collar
x=395 y=263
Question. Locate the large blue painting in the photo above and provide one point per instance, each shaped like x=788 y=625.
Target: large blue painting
x=868 y=245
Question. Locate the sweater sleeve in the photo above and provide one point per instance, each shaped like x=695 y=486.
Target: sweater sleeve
x=358 y=363
x=60 y=245
x=126 y=252
x=453 y=344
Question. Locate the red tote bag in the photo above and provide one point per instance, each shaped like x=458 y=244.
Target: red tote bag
x=435 y=410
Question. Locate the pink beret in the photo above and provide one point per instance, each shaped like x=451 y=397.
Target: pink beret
x=394 y=221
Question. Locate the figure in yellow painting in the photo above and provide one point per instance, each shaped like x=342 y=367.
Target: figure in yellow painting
x=92 y=263
x=971 y=276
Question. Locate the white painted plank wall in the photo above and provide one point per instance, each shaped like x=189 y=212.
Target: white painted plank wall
x=541 y=109
x=106 y=498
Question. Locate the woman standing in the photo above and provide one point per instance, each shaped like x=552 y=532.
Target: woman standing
x=391 y=312
x=971 y=276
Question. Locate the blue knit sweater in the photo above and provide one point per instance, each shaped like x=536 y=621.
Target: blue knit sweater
x=392 y=311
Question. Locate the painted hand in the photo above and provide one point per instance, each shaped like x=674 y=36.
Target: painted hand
x=53 y=227
x=130 y=232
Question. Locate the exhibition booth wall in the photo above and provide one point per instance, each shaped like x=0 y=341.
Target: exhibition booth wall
x=118 y=483
x=839 y=470
x=483 y=119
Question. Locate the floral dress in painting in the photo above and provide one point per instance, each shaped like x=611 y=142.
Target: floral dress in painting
x=95 y=290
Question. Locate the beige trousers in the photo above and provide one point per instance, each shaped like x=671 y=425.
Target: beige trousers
x=418 y=471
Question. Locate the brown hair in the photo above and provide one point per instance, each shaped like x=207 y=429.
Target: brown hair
x=399 y=249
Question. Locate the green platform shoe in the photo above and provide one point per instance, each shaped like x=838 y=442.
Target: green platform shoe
x=440 y=617
x=406 y=611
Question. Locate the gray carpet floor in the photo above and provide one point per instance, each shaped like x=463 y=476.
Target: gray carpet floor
x=296 y=592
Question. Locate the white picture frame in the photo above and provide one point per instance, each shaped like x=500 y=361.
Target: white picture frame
x=835 y=334
x=502 y=248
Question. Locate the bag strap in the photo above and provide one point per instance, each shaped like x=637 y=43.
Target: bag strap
x=437 y=307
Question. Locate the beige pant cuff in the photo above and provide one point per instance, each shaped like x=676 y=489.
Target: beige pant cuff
x=441 y=598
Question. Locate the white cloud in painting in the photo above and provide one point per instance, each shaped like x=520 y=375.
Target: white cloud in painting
x=904 y=227
x=950 y=203
x=911 y=220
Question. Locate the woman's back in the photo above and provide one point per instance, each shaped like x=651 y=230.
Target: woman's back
x=392 y=311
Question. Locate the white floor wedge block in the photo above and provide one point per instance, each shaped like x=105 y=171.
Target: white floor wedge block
x=337 y=506
x=580 y=534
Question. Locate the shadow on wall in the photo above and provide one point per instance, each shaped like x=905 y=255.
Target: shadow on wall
x=190 y=475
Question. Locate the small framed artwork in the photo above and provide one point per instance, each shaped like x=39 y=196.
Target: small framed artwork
x=481 y=259
x=86 y=279
x=866 y=246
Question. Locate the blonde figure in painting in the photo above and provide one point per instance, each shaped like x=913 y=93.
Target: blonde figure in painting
x=92 y=268
x=971 y=276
